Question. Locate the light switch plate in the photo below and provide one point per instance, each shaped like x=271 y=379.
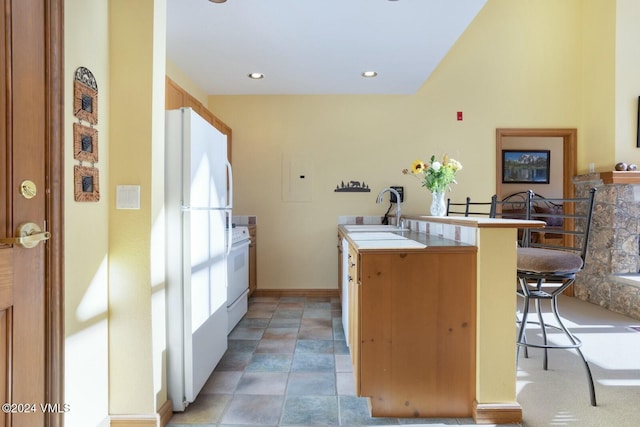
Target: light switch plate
x=128 y=197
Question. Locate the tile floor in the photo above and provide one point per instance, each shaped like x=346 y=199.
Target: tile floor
x=287 y=365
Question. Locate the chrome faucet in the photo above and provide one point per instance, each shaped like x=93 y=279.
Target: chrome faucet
x=398 y=204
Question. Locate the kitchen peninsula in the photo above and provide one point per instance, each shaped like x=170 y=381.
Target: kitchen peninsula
x=430 y=316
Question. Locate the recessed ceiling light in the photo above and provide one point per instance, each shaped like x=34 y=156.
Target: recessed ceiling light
x=217 y=1
x=369 y=74
x=255 y=76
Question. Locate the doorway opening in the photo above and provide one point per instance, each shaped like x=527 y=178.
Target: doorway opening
x=567 y=138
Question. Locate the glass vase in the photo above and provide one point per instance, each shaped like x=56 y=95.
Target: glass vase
x=438 y=205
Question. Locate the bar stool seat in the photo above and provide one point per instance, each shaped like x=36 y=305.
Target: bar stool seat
x=539 y=260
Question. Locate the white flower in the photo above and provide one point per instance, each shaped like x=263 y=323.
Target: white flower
x=436 y=166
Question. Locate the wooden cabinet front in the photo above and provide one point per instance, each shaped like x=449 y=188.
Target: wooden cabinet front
x=416 y=351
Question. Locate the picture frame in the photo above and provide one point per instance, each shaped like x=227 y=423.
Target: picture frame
x=85 y=102
x=526 y=166
x=85 y=143
x=86 y=184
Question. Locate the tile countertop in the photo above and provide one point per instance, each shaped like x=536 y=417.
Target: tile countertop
x=478 y=222
x=410 y=240
x=400 y=241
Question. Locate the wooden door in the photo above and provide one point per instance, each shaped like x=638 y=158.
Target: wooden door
x=30 y=120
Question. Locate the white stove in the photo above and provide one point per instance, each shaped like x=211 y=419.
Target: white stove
x=238 y=276
x=239 y=234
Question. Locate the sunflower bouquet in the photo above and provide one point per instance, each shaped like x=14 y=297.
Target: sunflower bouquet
x=436 y=176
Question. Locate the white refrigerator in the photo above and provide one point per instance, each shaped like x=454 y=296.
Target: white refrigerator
x=198 y=200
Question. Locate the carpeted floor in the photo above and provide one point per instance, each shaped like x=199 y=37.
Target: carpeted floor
x=560 y=395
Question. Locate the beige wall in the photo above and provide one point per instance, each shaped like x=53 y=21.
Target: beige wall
x=114 y=259
x=627 y=83
x=597 y=133
x=610 y=86
x=86 y=231
x=137 y=145
x=503 y=72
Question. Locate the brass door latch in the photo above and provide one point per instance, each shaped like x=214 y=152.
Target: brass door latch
x=29 y=235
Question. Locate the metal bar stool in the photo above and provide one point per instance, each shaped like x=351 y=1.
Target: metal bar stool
x=456 y=208
x=545 y=270
x=468 y=208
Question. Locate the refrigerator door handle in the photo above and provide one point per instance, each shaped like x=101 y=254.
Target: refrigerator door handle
x=230 y=188
x=229 y=206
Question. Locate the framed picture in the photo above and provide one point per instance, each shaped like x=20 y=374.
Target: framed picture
x=85 y=143
x=525 y=166
x=85 y=102
x=86 y=184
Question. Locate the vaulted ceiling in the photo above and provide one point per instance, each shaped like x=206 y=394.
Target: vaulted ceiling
x=313 y=46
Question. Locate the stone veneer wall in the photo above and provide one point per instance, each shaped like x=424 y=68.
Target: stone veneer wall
x=613 y=247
